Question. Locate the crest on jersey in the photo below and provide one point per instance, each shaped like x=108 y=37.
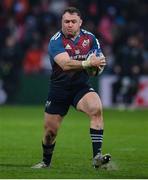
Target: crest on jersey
x=68 y=46
x=85 y=43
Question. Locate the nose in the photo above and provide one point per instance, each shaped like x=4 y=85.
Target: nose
x=70 y=24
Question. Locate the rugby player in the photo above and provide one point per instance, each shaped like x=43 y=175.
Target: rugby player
x=69 y=50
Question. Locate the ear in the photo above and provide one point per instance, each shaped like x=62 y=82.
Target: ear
x=81 y=22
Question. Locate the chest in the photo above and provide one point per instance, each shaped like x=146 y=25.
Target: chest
x=79 y=48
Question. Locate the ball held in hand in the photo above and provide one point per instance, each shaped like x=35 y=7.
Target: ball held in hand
x=94 y=71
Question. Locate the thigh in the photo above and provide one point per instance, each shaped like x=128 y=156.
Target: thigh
x=89 y=102
x=79 y=93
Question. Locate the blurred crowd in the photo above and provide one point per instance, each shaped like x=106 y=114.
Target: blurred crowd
x=27 y=25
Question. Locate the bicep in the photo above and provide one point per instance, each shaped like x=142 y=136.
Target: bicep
x=64 y=61
x=61 y=59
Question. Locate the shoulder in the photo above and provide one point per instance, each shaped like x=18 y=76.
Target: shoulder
x=55 y=45
x=55 y=38
x=85 y=32
x=92 y=36
x=55 y=41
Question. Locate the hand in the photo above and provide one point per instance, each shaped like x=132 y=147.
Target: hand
x=98 y=62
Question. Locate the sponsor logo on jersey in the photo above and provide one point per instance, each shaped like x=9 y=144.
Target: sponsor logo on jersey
x=68 y=47
x=47 y=104
x=77 y=57
x=91 y=89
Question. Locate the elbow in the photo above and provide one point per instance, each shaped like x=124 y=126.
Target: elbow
x=65 y=68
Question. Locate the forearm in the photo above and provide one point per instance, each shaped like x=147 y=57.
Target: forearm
x=67 y=64
x=72 y=65
x=83 y=64
x=64 y=61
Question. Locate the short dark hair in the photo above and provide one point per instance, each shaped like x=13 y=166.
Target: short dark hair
x=72 y=10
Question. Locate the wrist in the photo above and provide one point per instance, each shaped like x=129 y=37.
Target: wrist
x=86 y=64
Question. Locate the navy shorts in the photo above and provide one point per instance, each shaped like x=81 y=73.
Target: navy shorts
x=59 y=100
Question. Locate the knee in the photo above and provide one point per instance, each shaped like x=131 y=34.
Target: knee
x=50 y=128
x=94 y=111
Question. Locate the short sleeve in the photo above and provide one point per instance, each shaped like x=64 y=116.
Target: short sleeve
x=96 y=46
x=55 y=47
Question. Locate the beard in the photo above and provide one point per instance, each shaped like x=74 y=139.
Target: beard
x=71 y=34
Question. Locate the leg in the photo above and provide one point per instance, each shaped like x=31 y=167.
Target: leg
x=91 y=104
x=51 y=125
x=55 y=110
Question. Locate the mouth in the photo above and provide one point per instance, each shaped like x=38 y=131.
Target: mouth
x=69 y=31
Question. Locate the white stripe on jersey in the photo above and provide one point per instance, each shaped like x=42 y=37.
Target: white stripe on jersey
x=86 y=32
x=98 y=44
x=56 y=36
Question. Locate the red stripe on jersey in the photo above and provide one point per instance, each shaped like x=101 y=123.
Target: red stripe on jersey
x=81 y=48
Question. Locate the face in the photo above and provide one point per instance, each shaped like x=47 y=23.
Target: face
x=71 y=24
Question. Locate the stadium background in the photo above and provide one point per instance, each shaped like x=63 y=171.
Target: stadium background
x=25 y=29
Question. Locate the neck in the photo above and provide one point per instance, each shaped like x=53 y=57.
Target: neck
x=74 y=37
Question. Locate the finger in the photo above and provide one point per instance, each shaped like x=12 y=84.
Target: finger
x=102 y=62
x=101 y=58
x=93 y=56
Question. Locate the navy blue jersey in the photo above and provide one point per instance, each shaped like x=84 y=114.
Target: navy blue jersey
x=78 y=49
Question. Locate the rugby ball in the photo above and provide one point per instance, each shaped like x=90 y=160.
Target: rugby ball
x=94 y=71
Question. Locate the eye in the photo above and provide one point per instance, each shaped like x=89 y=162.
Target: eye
x=73 y=21
x=66 y=21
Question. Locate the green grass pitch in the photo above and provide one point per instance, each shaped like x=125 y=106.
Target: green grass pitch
x=125 y=137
